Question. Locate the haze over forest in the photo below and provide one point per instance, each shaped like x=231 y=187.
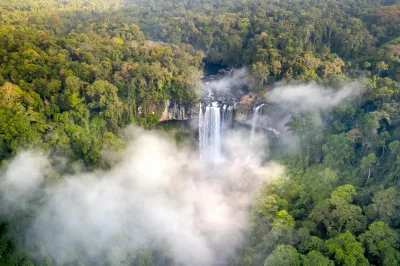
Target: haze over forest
x=200 y=132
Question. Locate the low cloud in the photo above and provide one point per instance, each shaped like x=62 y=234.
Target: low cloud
x=236 y=79
x=311 y=97
x=157 y=196
x=22 y=180
x=286 y=100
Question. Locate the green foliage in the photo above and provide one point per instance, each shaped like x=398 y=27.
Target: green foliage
x=314 y=243
x=382 y=243
x=345 y=192
x=315 y=258
x=346 y=250
x=385 y=205
x=338 y=151
x=284 y=255
x=367 y=163
x=343 y=179
x=260 y=73
x=72 y=73
x=64 y=75
x=327 y=181
x=337 y=215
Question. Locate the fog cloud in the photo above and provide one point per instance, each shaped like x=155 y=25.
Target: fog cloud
x=311 y=97
x=236 y=79
x=22 y=180
x=285 y=100
x=157 y=196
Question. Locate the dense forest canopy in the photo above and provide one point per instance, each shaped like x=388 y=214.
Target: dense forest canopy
x=74 y=72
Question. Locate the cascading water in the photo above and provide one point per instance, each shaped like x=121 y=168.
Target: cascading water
x=210 y=132
x=256 y=117
x=226 y=124
x=201 y=131
x=226 y=119
x=223 y=117
x=214 y=123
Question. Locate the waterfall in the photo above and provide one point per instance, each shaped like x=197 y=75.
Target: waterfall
x=256 y=117
x=223 y=117
x=201 y=131
x=214 y=124
x=226 y=119
x=226 y=124
x=210 y=132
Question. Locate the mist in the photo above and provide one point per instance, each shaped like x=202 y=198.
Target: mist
x=311 y=97
x=20 y=184
x=286 y=100
x=237 y=79
x=157 y=196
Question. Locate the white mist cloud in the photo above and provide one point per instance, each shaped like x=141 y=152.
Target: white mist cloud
x=287 y=99
x=310 y=97
x=23 y=179
x=157 y=196
x=237 y=78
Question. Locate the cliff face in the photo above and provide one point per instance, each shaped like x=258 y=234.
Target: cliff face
x=174 y=110
x=244 y=108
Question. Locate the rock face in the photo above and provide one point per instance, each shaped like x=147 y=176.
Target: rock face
x=244 y=108
x=174 y=110
x=242 y=104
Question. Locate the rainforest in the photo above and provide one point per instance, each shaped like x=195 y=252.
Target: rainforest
x=199 y=132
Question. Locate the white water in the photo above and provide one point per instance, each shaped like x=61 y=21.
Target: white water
x=256 y=117
x=223 y=118
x=214 y=125
x=226 y=120
x=201 y=132
x=210 y=132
